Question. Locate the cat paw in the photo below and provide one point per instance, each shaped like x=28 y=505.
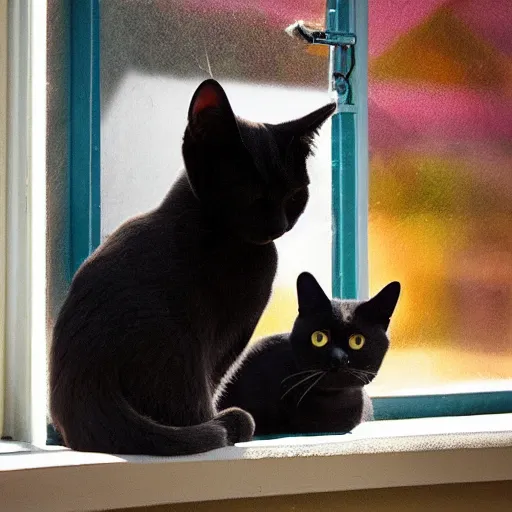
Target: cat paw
x=238 y=423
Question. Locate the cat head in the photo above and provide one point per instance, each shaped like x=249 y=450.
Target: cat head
x=250 y=178
x=345 y=338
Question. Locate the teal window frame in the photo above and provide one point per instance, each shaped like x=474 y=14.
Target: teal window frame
x=349 y=178
x=84 y=140
x=84 y=130
x=350 y=216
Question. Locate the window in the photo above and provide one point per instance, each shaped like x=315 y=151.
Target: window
x=439 y=220
x=437 y=192
x=153 y=56
x=440 y=216
x=3 y=195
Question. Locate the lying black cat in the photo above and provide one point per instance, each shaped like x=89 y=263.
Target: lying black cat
x=156 y=316
x=311 y=380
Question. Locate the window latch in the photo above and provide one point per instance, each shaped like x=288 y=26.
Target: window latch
x=343 y=55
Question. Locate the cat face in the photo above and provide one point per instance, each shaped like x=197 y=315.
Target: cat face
x=251 y=178
x=346 y=339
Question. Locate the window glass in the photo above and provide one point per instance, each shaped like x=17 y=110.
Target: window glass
x=153 y=56
x=440 y=117
x=440 y=121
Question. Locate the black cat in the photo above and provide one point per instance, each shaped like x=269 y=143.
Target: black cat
x=158 y=313
x=312 y=379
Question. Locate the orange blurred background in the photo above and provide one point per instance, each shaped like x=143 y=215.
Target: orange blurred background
x=440 y=137
x=440 y=117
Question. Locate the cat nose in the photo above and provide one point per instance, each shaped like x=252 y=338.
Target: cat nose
x=276 y=234
x=278 y=227
x=339 y=359
x=278 y=231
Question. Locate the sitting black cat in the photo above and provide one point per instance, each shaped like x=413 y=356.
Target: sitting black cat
x=312 y=379
x=161 y=310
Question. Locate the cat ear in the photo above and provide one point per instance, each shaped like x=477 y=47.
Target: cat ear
x=311 y=297
x=379 y=309
x=210 y=103
x=312 y=122
x=308 y=126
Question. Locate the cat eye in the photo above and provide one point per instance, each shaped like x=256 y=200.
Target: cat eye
x=356 y=341
x=319 y=339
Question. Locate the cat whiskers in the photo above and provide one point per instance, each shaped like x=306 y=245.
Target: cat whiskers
x=358 y=377
x=367 y=374
x=352 y=371
x=311 y=387
x=305 y=379
x=364 y=377
x=297 y=374
x=209 y=69
x=208 y=61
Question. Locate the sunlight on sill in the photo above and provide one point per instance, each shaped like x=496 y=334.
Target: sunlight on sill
x=378 y=454
x=372 y=437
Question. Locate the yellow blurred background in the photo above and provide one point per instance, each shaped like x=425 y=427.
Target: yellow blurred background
x=440 y=151
x=440 y=115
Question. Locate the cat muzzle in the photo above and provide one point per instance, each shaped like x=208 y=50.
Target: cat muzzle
x=339 y=360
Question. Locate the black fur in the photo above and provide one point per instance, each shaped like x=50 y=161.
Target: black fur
x=158 y=313
x=291 y=386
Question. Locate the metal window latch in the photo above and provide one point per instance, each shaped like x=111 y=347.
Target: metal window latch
x=343 y=58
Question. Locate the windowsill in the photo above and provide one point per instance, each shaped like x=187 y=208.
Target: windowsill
x=378 y=454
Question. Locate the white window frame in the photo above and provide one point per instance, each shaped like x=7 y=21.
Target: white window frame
x=25 y=340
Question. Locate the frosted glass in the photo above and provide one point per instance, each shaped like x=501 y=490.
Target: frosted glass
x=440 y=121
x=440 y=117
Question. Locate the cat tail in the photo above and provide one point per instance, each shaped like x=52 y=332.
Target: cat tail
x=110 y=424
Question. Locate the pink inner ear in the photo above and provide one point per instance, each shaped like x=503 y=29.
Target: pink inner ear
x=208 y=97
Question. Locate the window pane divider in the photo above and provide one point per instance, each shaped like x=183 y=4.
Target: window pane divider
x=84 y=130
x=349 y=81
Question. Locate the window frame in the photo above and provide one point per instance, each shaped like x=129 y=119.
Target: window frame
x=3 y=194
x=350 y=210
x=84 y=130
x=349 y=143
x=25 y=354
x=350 y=202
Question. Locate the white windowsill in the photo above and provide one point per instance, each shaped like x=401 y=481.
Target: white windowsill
x=378 y=454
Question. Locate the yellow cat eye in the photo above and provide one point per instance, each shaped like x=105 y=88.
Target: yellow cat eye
x=319 y=339
x=356 y=341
